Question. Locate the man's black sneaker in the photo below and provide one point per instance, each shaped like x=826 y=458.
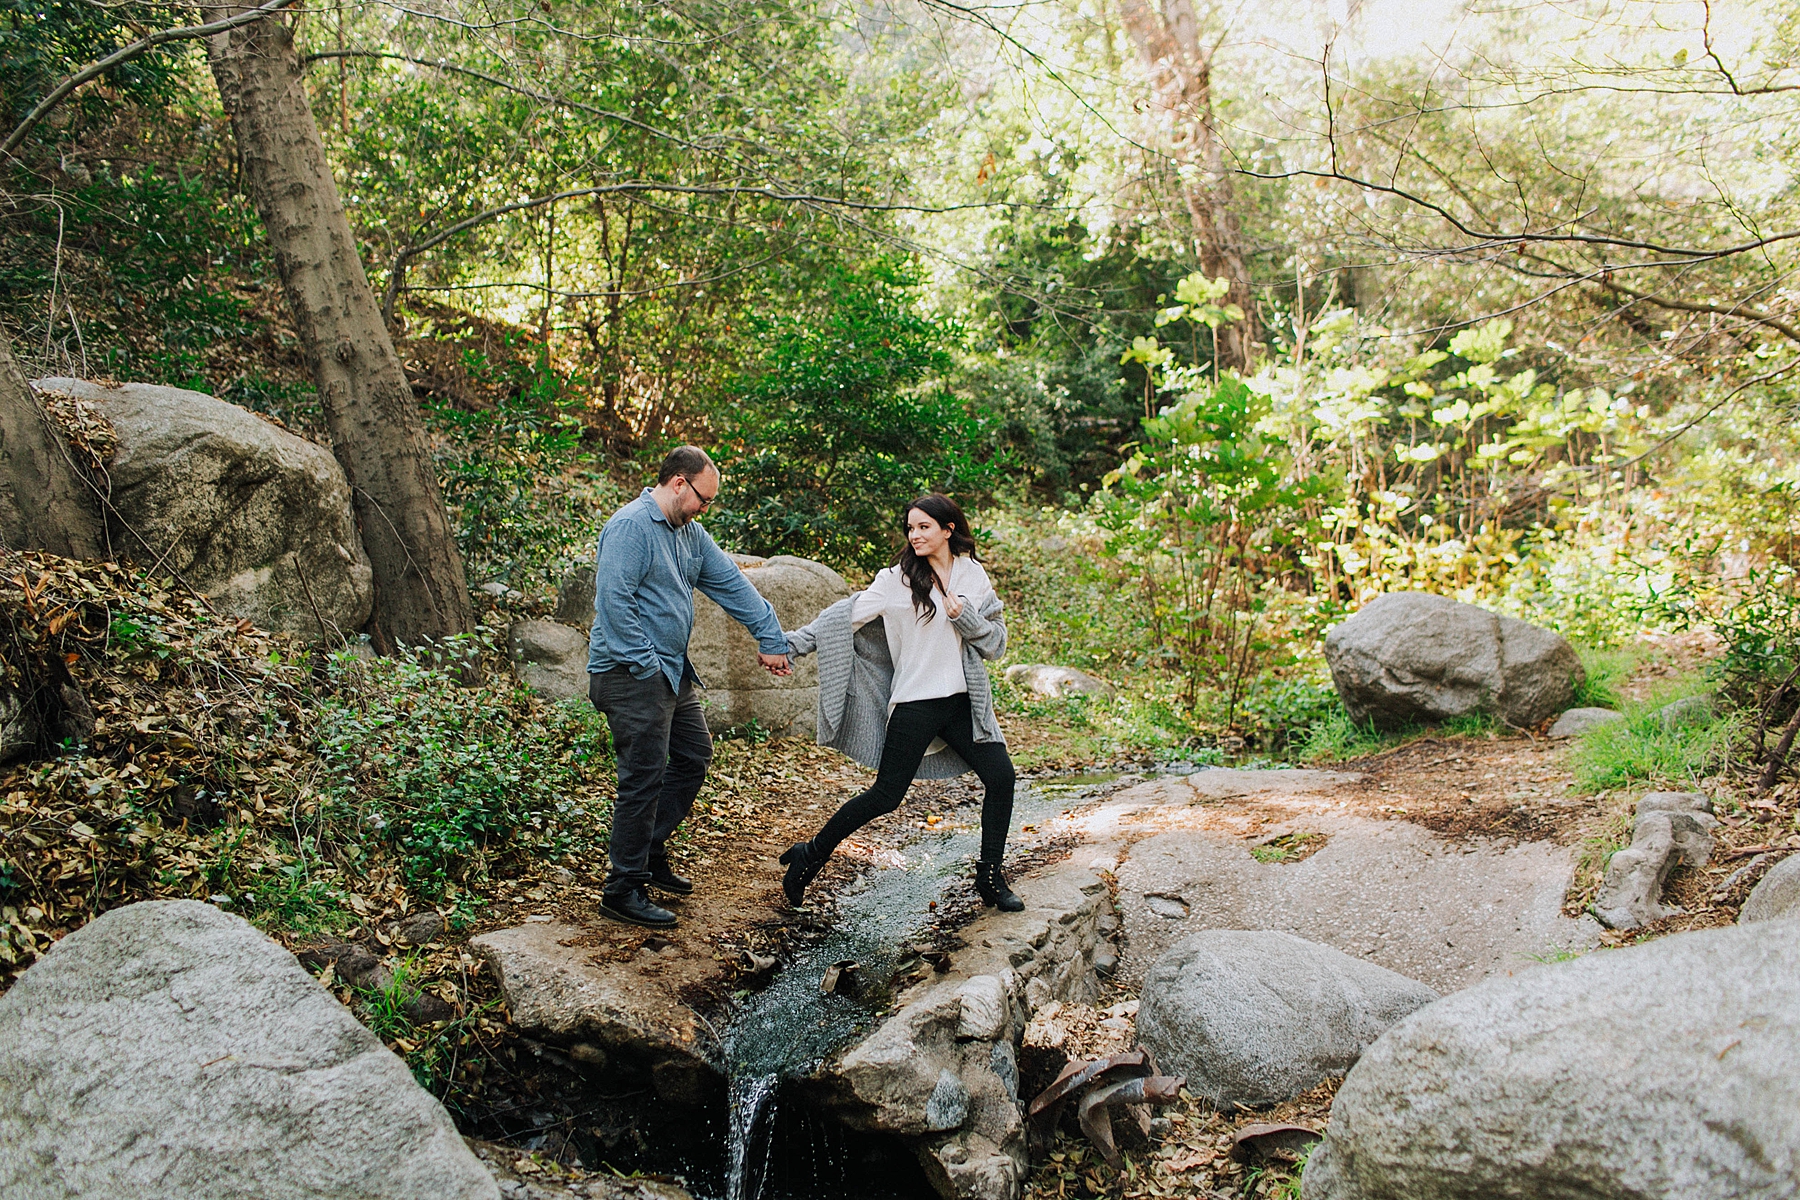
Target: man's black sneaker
x=663 y=878
x=634 y=908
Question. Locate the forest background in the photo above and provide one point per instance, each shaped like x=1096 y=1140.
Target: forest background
x=1223 y=318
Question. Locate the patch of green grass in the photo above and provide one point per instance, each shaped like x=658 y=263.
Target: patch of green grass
x=1287 y=848
x=1643 y=749
x=1607 y=671
x=1337 y=738
x=1475 y=724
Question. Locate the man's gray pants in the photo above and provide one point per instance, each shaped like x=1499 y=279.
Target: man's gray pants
x=663 y=749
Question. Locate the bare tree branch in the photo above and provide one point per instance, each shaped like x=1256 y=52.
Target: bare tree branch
x=93 y=71
x=397 y=269
x=445 y=65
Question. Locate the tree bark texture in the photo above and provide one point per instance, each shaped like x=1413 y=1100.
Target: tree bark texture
x=420 y=590
x=1180 y=70
x=45 y=504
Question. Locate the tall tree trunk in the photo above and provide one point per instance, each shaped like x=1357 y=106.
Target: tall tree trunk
x=420 y=589
x=45 y=504
x=1181 y=87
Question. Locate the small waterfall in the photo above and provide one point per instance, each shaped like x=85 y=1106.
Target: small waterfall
x=752 y=1114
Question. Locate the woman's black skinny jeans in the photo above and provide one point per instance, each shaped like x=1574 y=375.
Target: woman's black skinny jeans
x=910 y=730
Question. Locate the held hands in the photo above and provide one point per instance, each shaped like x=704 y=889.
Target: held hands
x=775 y=664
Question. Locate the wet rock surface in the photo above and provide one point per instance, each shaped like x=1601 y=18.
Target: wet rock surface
x=1413 y=656
x=1665 y=1070
x=942 y=1070
x=168 y=1049
x=1254 y=1018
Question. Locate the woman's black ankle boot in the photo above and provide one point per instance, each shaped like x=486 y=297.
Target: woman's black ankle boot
x=992 y=886
x=803 y=862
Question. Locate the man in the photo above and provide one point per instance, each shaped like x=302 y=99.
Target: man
x=651 y=557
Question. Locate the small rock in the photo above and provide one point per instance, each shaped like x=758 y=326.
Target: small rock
x=494 y=588
x=1578 y=721
x=1694 y=710
x=420 y=928
x=948 y=1105
x=1256 y=1018
x=1777 y=896
x=985 y=1009
x=1054 y=683
x=550 y=659
x=1672 y=828
x=1664 y=1071
x=1172 y=908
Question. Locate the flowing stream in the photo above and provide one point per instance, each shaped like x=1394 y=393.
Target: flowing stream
x=790 y=1027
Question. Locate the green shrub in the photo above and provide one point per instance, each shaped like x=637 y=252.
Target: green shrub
x=449 y=777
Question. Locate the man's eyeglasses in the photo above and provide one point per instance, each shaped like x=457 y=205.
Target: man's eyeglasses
x=704 y=499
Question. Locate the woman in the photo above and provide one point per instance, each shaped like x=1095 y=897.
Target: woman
x=900 y=668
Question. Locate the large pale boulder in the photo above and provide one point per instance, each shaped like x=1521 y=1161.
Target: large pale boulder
x=169 y=1051
x=1776 y=896
x=257 y=519
x=1052 y=682
x=724 y=653
x=1666 y=1071
x=1413 y=656
x=1257 y=1017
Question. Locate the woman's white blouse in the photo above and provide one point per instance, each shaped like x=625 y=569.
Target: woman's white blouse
x=928 y=659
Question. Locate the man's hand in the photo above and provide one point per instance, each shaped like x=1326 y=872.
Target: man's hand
x=775 y=664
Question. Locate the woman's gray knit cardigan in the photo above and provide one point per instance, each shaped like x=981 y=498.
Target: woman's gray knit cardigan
x=856 y=677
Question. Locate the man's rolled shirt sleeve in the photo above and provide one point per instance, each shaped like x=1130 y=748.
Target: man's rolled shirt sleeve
x=621 y=566
x=725 y=585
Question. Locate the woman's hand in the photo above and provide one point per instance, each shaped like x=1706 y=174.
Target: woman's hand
x=952 y=602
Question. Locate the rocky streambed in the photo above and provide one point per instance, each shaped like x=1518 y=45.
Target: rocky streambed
x=904 y=1078
x=1281 y=927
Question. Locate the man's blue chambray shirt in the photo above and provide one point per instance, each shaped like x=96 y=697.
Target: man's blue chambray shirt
x=644 y=579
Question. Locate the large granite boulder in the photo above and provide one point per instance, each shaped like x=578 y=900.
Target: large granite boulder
x=1257 y=1017
x=738 y=690
x=1667 y=1070
x=724 y=653
x=550 y=659
x=257 y=519
x=1055 y=683
x=1776 y=896
x=169 y=1051
x=1413 y=656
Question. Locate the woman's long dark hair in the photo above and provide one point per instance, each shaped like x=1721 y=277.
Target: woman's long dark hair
x=916 y=571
